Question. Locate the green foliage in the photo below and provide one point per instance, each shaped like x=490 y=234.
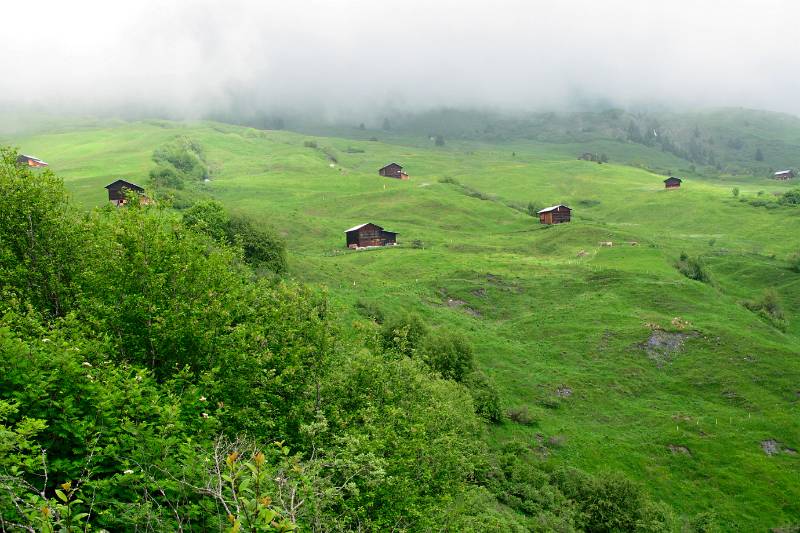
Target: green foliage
x=769 y=306
x=791 y=197
x=693 y=268
x=370 y=310
x=521 y=415
x=449 y=354
x=166 y=177
x=612 y=503
x=404 y=334
x=262 y=248
x=794 y=262
x=533 y=209
x=185 y=156
x=735 y=192
x=485 y=396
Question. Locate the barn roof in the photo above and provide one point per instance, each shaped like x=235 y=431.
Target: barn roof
x=354 y=228
x=390 y=164
x=672 y=178
x=123 y=183
x=551 y=208
x=26 y=157
x=783 y=172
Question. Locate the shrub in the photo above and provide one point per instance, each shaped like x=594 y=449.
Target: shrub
x=418 y=244
x=448 y=353
x=185 y=156
x=166 y=177
x=735 y=192
x=485 y=396
x=521 y=415
x=403 y=334
x=768 y=306
x=310 y=144
x=262 y=247
x=794 y=262
x=533 y=209
x=370 y=310
x=692 y=268
x=791 y=197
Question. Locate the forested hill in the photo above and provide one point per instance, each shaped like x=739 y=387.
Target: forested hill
x=738 y=141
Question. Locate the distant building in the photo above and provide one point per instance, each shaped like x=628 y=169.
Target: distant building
x=783 y=174
x=31 y=161
x=393 y=170
x=672 y=183
x=588 y=156
x=556 y=214
x=369 y=234
x=117 y=192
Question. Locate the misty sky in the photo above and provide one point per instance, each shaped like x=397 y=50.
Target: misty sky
x=338 y=57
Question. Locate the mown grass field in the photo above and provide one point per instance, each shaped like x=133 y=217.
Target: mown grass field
x=558 y=321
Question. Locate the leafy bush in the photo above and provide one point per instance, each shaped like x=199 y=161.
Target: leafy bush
x=310 y=144
x=693 y=268
x=485 y=396
x=370 y=310
x=768 y=306
x=791 y=197
x=185 y=156
x=521 y=415
x=262 y=248
x=404 y=334
x=794 y=262
x=448 y=353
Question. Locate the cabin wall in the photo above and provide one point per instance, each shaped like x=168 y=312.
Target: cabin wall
x=392 y=172
x=560 y=216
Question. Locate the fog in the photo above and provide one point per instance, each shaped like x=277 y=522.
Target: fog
x=363 y=57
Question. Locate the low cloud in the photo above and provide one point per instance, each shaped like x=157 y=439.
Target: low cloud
x=339 y=58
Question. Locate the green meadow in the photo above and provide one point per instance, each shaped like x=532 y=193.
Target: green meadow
x=622 y=362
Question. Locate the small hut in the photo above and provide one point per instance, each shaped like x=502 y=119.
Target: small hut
x=783 y=174
x=117 y=192
x=30 y=161
x=369 y=234
x=393 y=170
x=555 y=214
x=672 y=183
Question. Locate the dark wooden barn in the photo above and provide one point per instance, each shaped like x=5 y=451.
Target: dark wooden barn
x=556 y=214
x=393 y=170
x=672 y=183
x=369 y=234
x=117 y=192
x=783 y=174
x=31 y=161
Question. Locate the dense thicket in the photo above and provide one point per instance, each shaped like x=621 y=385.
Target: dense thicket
x=149 y=378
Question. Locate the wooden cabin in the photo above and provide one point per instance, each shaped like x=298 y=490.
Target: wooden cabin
x=31 y=161
x=556 y=214
x=393 y=170
x=369 y=234
x=783 y=174
x=672 y=183
x=117 y=192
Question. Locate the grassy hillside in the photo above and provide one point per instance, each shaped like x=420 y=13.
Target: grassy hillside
x=622 y=362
